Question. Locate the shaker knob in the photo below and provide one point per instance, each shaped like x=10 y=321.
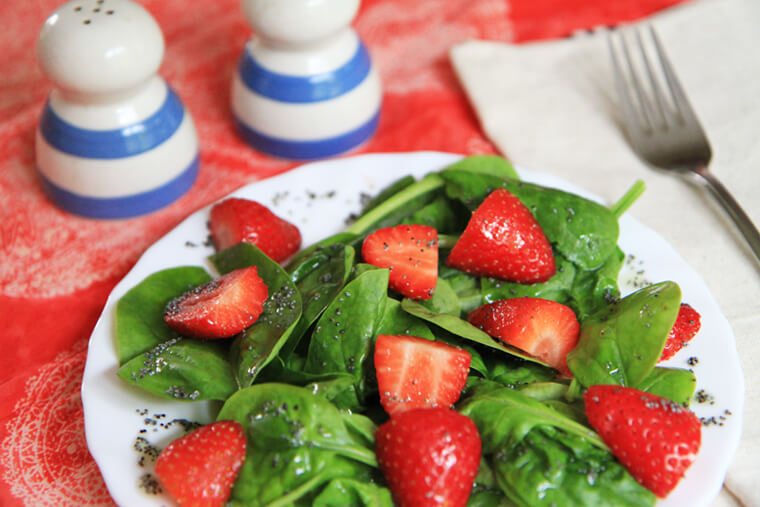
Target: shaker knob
x=100 y=46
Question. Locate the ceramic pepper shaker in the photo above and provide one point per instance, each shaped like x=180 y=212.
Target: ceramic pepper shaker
x=305 y=87
x=114 y=140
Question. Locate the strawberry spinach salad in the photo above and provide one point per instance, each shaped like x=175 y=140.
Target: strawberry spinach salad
x=304 y=380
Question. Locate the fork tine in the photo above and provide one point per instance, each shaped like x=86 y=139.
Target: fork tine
x=654 y=85
x=681 y=103
x=644 y=103
x=629 y=112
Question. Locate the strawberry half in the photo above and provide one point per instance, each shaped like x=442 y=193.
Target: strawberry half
x=234 y=220
x=544 y=329
x=686 y=327
x=220 y=308
x=429 y=456
x=411 y=254
x=503 y=240
x=200 y=468
x=414 y=372
x=654 y=438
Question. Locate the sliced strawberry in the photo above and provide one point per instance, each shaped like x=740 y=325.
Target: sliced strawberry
x=414 y=372
x=686 y=327
x=654 y=438
x=429 y=456
x=200 y=468
x=234 y=220
x=411 y=254
x=503 y=240
x=544 y=329
x=220 y=308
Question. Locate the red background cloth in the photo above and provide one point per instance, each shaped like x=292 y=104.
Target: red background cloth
x=56 y=270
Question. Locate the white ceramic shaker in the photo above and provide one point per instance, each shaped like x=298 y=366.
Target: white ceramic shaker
x=113 y=140
x=305 y=87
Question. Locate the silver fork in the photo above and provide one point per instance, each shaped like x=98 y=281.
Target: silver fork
x=662 y=127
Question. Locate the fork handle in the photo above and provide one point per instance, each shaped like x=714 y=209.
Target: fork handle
x=735 y=211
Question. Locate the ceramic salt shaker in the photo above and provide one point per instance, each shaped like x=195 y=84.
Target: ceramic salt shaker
x=305 y=87
x=114 y=140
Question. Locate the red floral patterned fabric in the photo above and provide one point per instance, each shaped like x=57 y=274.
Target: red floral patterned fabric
x=56 y=270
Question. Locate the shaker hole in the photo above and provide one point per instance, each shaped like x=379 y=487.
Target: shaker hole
x=86 y=21
x=78 y=8
x=96 y=9
x=109 y=12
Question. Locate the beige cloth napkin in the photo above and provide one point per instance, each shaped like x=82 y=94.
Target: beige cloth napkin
x=552 y=107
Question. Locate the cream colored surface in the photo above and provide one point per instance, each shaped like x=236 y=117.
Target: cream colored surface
x=552 y=106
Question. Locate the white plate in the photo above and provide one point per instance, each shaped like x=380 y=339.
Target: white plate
x=318 y=198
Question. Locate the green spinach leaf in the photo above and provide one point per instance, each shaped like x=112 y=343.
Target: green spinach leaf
x=621 y=343
x=182 y=369
x=343 y=336
x=341 y=492
x=278 y=417
x=673 y=383
x=140 y=322
x=551 y=467
x=319 y=278
x=505 y=416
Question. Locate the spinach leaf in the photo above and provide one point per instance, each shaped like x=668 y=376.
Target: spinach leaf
x=140 y=322
x=505 y=416
x=444 y=215
x=319 y=278
x=557 y=288
x=259 y=344
x=340 y=492
x=593 y=290
x=343 y=336
x=515 y=372
x=466 y=287
x=444 y=299
x=279 y=417
x=182 y=369
x=551 y=467
x=338 y=388
x=396 y=321
x=491 y=165
x=673 y=383
x=621 y=343
x=280 y=478
x=462 y=328
x=297 y=263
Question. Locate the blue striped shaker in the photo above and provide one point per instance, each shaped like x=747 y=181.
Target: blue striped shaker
x=114 y=140
x=305 y=87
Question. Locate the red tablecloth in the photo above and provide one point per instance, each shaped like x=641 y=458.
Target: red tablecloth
x=56 y=270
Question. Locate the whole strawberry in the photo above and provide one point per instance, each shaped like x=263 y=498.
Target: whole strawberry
x=429 y=456
x=686 y=327
x=200 y=468
x=503 y=240
x=654 y=438
x=234 y=220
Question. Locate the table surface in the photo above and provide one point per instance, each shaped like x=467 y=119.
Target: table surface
x=56 y=270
